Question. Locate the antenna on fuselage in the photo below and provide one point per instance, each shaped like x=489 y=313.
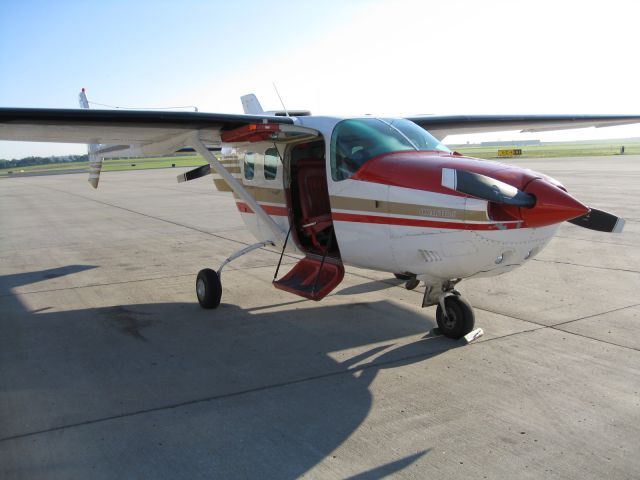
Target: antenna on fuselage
x=278 y=93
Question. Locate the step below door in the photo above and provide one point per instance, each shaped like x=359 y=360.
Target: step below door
x=307 y=280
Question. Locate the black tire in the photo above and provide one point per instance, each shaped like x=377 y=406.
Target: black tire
x=460 y=318
x=403 y=276
x=208 y=288
x=412 y=283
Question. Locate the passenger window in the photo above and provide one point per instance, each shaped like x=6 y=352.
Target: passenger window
x=249 y=164
x=271 y=159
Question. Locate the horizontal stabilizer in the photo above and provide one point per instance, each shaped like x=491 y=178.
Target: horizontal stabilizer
x=202 y=171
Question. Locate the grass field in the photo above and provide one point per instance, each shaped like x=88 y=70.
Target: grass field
x=111 y=165
x=543 y=150
x=552 y=150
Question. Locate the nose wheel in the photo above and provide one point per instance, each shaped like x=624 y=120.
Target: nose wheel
x=208 y=288
x=458 y=319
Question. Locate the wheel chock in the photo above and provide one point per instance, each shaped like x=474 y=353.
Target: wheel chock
x=473 y=335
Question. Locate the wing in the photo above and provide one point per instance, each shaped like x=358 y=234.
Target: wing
x=441 y=126
x=133 y=132
x=130 y=132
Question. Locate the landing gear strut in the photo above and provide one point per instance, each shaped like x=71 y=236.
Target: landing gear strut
x=208 y=284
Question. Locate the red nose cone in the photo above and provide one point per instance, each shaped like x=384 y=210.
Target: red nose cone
x=553 y=205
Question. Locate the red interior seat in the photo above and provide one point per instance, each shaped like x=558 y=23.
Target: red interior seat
x=314 y=199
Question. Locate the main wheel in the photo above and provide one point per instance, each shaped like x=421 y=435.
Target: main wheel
x=208 y=288
x=460 y=318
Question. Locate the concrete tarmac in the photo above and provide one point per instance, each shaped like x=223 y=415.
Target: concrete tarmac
x=110 y=369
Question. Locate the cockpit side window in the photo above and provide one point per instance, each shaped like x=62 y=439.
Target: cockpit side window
x=356 y=141
x=422 y=139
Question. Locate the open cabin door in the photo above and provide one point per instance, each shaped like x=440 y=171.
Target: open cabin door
x=316 y=275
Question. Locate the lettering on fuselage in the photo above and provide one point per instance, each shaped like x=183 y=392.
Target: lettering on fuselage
x=437 y=212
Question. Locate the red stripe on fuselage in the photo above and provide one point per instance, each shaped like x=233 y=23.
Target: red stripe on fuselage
x=374 y=219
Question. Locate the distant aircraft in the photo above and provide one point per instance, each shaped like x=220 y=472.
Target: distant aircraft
x=379 y=193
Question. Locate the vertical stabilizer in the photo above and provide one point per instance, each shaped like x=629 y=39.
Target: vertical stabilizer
x=251 y=105
x=95 y=162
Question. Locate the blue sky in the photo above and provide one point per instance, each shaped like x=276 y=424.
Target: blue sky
x=397 y=57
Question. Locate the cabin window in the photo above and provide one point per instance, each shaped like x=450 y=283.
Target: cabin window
x=249 y=165
x=271 y=159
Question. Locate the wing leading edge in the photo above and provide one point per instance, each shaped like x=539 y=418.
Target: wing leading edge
x=138 y=132
x=440 y=126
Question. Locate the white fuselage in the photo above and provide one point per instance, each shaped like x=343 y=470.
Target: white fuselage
x=384 y=227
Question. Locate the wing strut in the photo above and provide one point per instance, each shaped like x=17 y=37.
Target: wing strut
x=95 y=161
x=237 y=187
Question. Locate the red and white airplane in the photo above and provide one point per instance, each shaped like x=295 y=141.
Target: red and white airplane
x=379 y=193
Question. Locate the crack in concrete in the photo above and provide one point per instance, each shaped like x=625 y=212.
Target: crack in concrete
x=585 y=266
x=144 y=215
x=139 y=280
x=217 y=397
x=564 y=237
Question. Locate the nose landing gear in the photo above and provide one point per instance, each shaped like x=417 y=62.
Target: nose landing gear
x=454 y=314
x=456 y=318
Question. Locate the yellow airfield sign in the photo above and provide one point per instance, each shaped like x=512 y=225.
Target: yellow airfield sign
x=509 y=152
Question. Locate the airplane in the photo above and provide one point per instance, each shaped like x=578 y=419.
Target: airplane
x=373 y=192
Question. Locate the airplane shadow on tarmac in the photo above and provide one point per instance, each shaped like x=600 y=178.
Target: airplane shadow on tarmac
x=171 y=390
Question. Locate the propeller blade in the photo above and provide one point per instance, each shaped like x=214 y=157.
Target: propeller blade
x=486 y=188
x=195 y=173
x=600 y=221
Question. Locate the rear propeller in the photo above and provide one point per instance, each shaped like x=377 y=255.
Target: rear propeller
x=552 y=205
x=195 y=173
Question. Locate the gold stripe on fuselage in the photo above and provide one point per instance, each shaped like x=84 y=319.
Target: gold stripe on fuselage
x=265 y=194
x=352 y=204
x=407 y=209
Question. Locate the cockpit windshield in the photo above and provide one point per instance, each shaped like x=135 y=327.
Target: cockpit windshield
x=355 y=141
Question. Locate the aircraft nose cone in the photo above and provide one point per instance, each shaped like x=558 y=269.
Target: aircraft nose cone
x=553 y=205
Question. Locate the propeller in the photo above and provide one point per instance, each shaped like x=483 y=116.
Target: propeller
x=552 y=205
x=600 y=221
x=486 y=188
x=195 y=173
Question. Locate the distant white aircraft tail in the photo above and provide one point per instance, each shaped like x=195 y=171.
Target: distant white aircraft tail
x=251 y=105
x=95 y=162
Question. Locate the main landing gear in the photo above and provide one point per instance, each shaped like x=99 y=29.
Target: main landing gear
x=208 y=284
x=208 y=288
